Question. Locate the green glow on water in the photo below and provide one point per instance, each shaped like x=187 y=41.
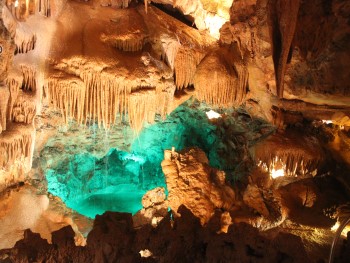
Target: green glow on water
x=118 y=181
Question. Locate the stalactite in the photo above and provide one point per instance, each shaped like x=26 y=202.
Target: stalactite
x=146 y=6
x=219 y=81
x=25 y=40
x=169 y=51
x=292 y=164
x=128 y=42
x=120 y=3
x=45 y=7
x=67 y=94
x=145 y=104
x=23 y=36
x=29 y=78
x=4 y=99
x=283 y=15
x=15 y=144
x=185 y=64
x=101 y=97
x=14 y=82
x=24 y=109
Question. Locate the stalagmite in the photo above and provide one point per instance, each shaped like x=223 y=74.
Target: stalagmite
x=283 y=20
x=220 y=81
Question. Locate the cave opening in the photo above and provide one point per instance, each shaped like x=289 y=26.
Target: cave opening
x=176 y=13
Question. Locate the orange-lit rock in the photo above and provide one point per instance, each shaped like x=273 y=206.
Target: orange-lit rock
x=193 y=183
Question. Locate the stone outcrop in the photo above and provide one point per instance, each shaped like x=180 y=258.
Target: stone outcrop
x=113 y=239
x=155 y=208
x=193 y=183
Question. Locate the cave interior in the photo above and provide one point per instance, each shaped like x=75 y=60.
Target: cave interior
x=174 y=131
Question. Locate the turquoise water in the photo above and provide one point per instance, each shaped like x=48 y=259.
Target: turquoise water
x=118 y=181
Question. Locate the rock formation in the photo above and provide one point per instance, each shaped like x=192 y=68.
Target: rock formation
x=113 y=238
x=276 y=72
x=193 y=183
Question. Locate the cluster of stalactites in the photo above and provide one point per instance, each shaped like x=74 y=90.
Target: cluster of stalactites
x=144 y=105
x=220 y=81
x=4 y=95
x=102 y=99
x=129 y=43
x=23 y=36
x=15 y=145
x=25 y=42
x=185 y=65
x=29 y=78
x=293 y=165
x=24 y=109
x=45 y=7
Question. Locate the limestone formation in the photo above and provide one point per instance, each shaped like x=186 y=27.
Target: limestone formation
x=100 y=71
x=228 y=79
x=114 y=238
x=301 y=159
x=193 y=183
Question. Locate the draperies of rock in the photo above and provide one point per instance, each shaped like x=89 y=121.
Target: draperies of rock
x=24 y=109
x=14 y=82
x=181 y=46
x=4 y=95
x=221 y=79
x=21 y=9
x=16 y=147
x=185 y=65
x=144 y=105
x=105 y=96
x=283 y=16
x=23 y=36
x=45 y=7
x=29 y=78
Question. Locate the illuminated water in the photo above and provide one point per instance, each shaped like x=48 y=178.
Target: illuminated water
x=118 y=181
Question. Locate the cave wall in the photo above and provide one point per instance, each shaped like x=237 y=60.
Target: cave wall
x=268 y=50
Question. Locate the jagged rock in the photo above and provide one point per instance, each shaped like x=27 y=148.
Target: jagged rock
x=63 y=237
x=111 y=237
x=254 y=199
x=155 y=208
x=185 y=240
x=193 y=183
